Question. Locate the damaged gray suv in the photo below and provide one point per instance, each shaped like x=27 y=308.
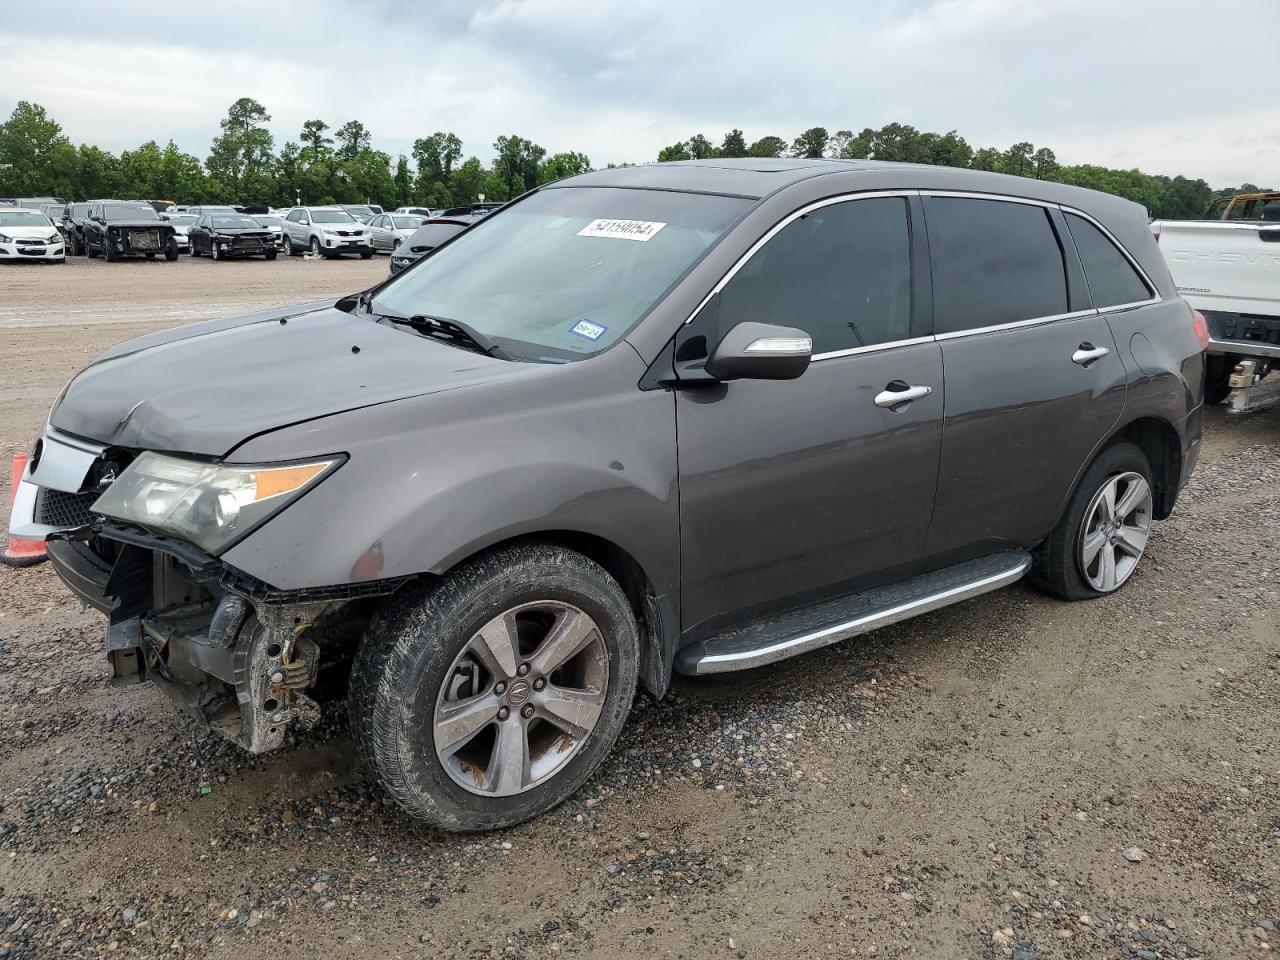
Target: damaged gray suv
x=688 y=417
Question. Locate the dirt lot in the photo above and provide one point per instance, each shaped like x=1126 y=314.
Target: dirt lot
x=966 y=784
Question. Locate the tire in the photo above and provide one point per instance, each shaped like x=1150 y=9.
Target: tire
x=1217 y=379
x=214 y=253
x=407 y=665
x=91 y=253
x=315 y=247
x=366 y=255
x=1062 y=568
x=194 y=251
x=270 y=254
x=110 y=254
x=171 y=251
x=395 y=244
x=288 y=248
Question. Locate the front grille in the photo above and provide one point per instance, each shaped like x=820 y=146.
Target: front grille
x=56 y=508
x=144 y=239
x=30 y=243
x=252 y=242
x=347 y=233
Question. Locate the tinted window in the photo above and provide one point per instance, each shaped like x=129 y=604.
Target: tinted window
x=842 y=273
x=236 y=223
x=132 y=211
x=993 y=262
x=332 y=216
x=1112 y=279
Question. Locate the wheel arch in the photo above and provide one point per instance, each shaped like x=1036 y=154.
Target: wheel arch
x=655 y=614
x=1158 y=440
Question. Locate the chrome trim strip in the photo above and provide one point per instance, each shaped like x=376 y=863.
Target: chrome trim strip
x=778 y=227
x=870 y=348
x=1242 y=348
x=1035 y=321
x=724 y=663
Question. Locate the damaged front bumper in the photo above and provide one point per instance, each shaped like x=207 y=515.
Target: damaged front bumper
x=236 y=654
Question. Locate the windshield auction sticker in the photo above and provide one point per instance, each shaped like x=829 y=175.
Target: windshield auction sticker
x=622 y=229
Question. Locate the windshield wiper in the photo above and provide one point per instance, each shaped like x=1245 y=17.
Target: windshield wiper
x=454 y=331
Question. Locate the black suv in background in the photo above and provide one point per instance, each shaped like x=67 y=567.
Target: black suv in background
x=696 y=416
x=128 y=228
x=73 y=227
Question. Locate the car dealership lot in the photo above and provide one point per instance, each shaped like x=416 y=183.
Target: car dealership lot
x=965 y=784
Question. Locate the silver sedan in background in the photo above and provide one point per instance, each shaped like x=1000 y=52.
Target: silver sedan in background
x=392 y=229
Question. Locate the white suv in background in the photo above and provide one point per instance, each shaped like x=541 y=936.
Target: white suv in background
x=29 y=235
x=325 y=232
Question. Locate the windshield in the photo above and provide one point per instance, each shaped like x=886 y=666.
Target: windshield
x=332 y=216
x=407 y=223
x=140 y=211
x=269 y=221
x=567 y=272
x=80 y=209
x=235 y=223
x=182 y=219
x=23 y=218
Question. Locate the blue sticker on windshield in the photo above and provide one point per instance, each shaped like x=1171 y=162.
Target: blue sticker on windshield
x=588 y=330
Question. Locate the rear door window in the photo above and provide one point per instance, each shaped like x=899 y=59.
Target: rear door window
x=994 y=262
x=841 y=273
x=1111 y=277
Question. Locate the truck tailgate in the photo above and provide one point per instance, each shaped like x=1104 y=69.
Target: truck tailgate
x=1224 y=266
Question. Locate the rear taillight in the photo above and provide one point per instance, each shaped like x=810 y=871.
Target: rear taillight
x=1201 y=327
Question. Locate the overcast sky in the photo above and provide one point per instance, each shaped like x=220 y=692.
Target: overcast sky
x=1170 y=86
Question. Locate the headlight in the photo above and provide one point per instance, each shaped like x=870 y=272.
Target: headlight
x=55 y=238
x=208 y=504
x=5 y=238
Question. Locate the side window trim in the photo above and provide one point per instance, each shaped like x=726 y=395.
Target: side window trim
x=915 y=228
x=1137 y=267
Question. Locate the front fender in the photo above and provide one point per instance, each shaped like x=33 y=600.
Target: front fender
x=432 y=480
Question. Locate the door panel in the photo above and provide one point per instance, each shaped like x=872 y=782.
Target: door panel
x=1021 y=420
x=793 y=490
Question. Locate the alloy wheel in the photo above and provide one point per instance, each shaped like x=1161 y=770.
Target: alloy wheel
x=1114 y=534
x=521 y=698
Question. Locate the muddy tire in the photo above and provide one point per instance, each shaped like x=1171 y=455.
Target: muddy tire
x=1097 y=544
x=495 y=693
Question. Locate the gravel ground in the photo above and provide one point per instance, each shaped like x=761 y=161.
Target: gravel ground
x=1010 y=777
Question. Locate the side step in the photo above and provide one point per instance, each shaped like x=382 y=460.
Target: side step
x=799 y=631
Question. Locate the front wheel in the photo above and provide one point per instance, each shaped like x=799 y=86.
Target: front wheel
x=171 y=251
x=1097 y=544
x=315 y=247
x=214 y=252
x=366 y=254
x=270 y=254
x=492 y=696
x=288 y=247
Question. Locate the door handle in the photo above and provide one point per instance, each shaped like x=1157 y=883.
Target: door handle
x=1087 y=353
x=899 y=394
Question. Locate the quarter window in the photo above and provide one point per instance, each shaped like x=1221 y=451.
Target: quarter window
x=1112 y=279
x=994 y=262
x=841 y=273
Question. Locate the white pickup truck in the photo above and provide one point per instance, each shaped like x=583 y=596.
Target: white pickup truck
x=1229 y=270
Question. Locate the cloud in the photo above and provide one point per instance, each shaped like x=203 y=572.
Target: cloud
x=1098 y=81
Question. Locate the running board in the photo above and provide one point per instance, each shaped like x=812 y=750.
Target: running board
x=767 y=641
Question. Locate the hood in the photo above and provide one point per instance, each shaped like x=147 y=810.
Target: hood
x=30 y=233
x=160 y=225
x=241 y=232
x=207 y=391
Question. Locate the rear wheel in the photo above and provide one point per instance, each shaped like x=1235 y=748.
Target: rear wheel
x=1097 y=544
x=493 y=696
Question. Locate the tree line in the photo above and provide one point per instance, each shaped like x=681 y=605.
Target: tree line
x=328 y=164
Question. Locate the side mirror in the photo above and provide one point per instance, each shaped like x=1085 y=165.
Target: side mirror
x=760 y=351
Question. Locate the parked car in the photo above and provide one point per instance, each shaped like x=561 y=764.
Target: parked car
x=364 y=212
x=226 y=236
x=274 y=223
x=29 y=203
x=326 y=232
x=1242 y=206
x=680 y=416
x=208 y=208
x=182 y=223
x=427 y=237
x=417 y=211
x=73 y=227
x=56 y=212
x=29 y=235
x=1229 y=270
x=389 y=230
x=128 y=228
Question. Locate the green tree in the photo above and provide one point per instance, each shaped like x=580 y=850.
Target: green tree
x=241 y=158
x=769 y=146
x=404 y=182
x=677 y=151
x=367 y=178
x=516 y=162
x=951 y=150
x=988 y=158
x=1017 y=160
x=352 y=137
x=700 y=148
x=36 y=158
x=1044 y=164
x=811 y=143
x=734 y=144
x=97 y=174
x=561 y=165
x=436 y=157
x=315 y=145
x=464 y=187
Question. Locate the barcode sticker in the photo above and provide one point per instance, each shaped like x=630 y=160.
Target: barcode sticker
x=622 y=229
